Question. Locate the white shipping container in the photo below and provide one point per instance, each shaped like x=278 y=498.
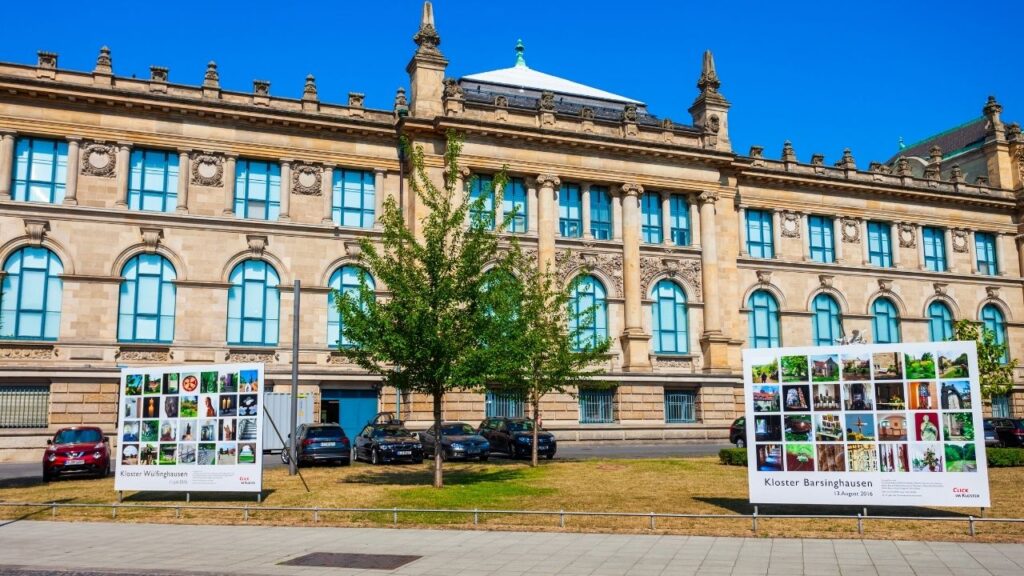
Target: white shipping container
x=278 y=407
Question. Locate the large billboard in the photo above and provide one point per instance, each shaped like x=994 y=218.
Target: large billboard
x=882 y=424
x=191 y=428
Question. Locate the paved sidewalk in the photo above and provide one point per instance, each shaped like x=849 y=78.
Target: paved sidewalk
x=89 y=548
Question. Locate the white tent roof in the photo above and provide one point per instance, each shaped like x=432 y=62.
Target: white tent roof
x=521 y=76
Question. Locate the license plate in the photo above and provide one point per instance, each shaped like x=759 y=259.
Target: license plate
x=327 y=444
x=473 y=451
x=74 y=462
x=405 y=453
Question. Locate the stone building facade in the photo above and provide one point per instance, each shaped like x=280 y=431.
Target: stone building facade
x=147 y=222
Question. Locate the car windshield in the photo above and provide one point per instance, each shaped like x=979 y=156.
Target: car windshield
x=457 y=430
x=324 y=432
x=391 y=431
x=77 y=436
x=520 y=426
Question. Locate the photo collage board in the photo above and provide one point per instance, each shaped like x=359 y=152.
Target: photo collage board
x=896 y=411
x=190 y=428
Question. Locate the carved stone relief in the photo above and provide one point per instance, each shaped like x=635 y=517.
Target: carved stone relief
x=143 y=355
x=790 y=225
x=306 y=180
x=686 y=270
x=851 y=230
x=207 y=170
x=99 y=160
x=960 y=243
x=568 y=262
x=244 y=357
x=27 y=353
x=908 y=235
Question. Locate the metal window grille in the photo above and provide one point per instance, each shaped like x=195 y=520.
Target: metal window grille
x=680 y=406
x=24 y=407
x=597 y=406
x=503 y=406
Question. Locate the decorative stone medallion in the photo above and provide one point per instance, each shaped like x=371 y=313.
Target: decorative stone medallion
x=790 y=225
x=207 y=170
x=99 y=160
x=851 y=230
x=908 y=236
x=306 y=180
x=960 y=241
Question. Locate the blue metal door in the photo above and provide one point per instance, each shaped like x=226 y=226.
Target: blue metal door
x=355 y=408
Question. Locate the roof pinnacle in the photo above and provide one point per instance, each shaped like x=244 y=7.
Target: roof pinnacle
x=709 y=81
x=520 y=54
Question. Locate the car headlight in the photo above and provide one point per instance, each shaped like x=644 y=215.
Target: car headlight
x=523 y=439
x=386 y=447
x=51 y=457
x=457 y=446
x=97 y=454
x=485 y=446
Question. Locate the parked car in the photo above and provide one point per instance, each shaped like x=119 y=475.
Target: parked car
x=738 y=432
x=320 y=443
x=77 y=450
x=382 y=443
x=514 y=437
x=458 y=440
x=991 y=436
x=1008 y=432
x=1018 y=430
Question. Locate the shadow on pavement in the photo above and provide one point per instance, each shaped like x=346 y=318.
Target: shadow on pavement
x=741 y=506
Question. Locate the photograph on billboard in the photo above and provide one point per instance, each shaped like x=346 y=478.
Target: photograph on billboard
x=191 y=429
x=883 y=424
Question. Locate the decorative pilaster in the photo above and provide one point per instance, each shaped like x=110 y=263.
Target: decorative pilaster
x=531 y=206
x=74 y=160
x=585 y=192
x=714 y=344
x=635 y=343
x=1001 y=252
x=378 y=196
x=920 y=247
x=327 y=195
x=695 y=240
x=837 y=238
x=547 y=184
x=616 y=216
x=865 y=254
x=229 y=184
x=499 y=206
x=124 y=150
x=777 y=231
x=286 y=189
x=894 y=243
x=947 y=240
x=742 y=215
x=184 y=172
x=805 y=232
x=6 y=162
x=666 y=218
x=972 y=246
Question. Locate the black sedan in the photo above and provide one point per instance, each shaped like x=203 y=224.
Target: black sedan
x=320 y=443
x=514 y=436
x=381 y=443
x=458 y=440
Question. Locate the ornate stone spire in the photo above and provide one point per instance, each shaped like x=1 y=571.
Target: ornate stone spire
x=788 y=154
x=520 y=54
x=427 y=37
x=104 y=64
x=401 y=103
x=710 y=109
x=709 y=81
x=211 y=79
x=309 y=90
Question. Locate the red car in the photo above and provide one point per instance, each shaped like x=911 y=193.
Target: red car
x=77 y=450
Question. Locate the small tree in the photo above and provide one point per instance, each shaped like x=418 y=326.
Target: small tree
x=425 y=337
x=996 y=373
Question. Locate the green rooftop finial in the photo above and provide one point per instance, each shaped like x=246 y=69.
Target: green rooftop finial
x=902 y=144
x=520 y=54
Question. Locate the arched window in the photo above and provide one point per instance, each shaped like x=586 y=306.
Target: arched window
x=31 y=295
x=827 y=325
x=885 y=322
x=254 y=304
x=588 y=312
x=763 y=320
x=993 y=319
x=345 y=280
x=146 y=307
x=668 y=319
x=940 y=322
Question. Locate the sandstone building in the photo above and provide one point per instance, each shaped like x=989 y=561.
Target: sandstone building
x=145 y=221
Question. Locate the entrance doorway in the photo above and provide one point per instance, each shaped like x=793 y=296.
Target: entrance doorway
x=353 y=409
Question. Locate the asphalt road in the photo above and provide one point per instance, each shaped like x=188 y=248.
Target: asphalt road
x=566 y=450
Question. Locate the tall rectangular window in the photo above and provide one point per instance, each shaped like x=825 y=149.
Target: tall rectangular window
x=481 y=201
x=353 y=198
x=879 y=244
x=40 y=170
x=600 y=213
x=257 y=190
x=596 y=406
x=679 y=219
x=570 y=211
x=650 y=209
x=760 y=242
x=24 y=406
x=934 y=248
x=680 y=406
x=514 y=206
x=819 y=228
x=985 y=248
x=153 y=181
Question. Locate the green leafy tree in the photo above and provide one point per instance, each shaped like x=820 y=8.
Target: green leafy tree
x=425 y=337
x=995 y=371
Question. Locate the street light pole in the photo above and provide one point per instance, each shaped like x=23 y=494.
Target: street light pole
x=292 y=463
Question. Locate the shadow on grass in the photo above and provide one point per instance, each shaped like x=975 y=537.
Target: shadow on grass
x=241 y=497
x=32 y=512
x=424 y=476
x=741 y=506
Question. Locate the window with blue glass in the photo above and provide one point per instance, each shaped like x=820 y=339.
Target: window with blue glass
x=668 y=319
x=885 y=321
x=600 y=213
x=146 y=306
x=40 y=170
x=588 y=312
x=993 y=319
x=257 y=190
x=650 y=213
x=760 y=242
x=345 y=280
x=503 y=405
x=254 y=304
x=819 y=228
x=514 y=206
x=570 y=211
x=879 y=244
x=1001 y=406
x=153 y=181
x=597 y=406
x=763 y=320
x=940 y=322
x=481 y=201
x=985 y=248
x=679 y=220
x=32 y=291
x=934 y=248
x=353 y=198
x=827 y=324
x=680 y=406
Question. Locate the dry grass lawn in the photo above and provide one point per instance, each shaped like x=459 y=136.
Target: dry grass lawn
x=691 y=485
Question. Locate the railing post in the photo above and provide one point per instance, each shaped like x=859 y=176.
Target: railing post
x=753 y=524
x=246 y=515
x=970 y=525
x=53 y=509
x=316 y=514
x=394 y=516
x=113 y=511
x=652 y=520
x=476 y=516
x=561 y=518
x=177 y=511
x=860 y=523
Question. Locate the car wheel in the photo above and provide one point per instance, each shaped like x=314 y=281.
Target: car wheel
x=418 y=460
x=549 y=455
x=374 y=457
x=48 y=476
x=284 y=456
x=741 y=443
x=484 y=457
x=345 y=462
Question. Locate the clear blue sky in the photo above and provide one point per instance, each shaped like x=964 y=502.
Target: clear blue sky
x=824 y=75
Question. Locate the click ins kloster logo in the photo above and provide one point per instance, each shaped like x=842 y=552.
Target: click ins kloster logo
x=959 y=492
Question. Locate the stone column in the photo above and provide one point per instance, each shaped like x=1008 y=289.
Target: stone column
x=666 y=218
x=286 y=189
x=805 y=233
x=327 y=196
x=379 y=176
x=229 y=184
x=548 y=221
x=1001 y=251
x=837 y=237
x=124 y=150
x=6 y=163
x=919 y=230
x=74 y=159
x=973 y=251
x=742 y=228
x=714 y=344
x=531 y=206
x=864 y=241
x=894 y=244
x=184 y=173
x=777 y=232
x=695 y=230
x=947 y=240
x=636 y=344
x=616 y=216
x=499 y=207
x=585 y=209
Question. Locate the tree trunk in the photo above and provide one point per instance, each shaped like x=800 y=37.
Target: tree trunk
x=438 y=449
x=535 y=404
